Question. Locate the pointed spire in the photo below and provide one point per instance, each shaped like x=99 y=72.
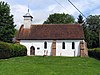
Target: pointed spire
x=28 y=7
x=27 y=19
x=28 y=10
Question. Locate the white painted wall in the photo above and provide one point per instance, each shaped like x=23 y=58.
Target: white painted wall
x=68 y=51
x=27 y=22
x=37 y=44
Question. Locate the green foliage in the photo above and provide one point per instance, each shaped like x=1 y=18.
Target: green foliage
x=4 y=50
x=36 y=65
x=91 y=37
x=57 y=18
x=95 y=53
x=91 y=31
x=80 y=19
x=7 y=27
x=94 y=22
x=8 y=50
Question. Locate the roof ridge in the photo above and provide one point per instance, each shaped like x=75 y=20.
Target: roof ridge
x=53 y=24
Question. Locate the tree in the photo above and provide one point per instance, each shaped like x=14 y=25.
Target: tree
x=80 y=19
x=94 y=22
x=99 y=38
x=7 y=27
x=57 y=18
x=91 y=31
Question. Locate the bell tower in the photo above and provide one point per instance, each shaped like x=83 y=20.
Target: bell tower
x=27 y=20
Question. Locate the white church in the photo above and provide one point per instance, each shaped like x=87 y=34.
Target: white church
x=52 y=39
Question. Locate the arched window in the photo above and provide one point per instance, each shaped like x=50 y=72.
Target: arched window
x=73 y=45
x=63 y=45
x=45 y=45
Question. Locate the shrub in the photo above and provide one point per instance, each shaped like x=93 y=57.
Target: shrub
x=4 y=50
x=95 y=53
x=8 y=50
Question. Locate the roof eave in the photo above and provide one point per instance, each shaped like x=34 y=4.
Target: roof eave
x=55 y=39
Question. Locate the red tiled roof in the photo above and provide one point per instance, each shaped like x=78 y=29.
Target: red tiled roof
x=51 y=32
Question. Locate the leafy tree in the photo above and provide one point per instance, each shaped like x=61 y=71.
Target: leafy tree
x=57 y=18
x=80 y=19
x=7 y=27
x=94 y=22
x=91 y=30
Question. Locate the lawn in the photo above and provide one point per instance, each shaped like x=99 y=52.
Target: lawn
x=49 y=66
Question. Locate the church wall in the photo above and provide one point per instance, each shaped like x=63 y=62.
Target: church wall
x=39 y=47
x=68 y=51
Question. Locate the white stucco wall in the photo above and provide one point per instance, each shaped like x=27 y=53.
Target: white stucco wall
x=27 y=22
x=37 y=44
x=68 y=51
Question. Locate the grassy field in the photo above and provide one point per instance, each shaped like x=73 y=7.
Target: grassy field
x=49 y=66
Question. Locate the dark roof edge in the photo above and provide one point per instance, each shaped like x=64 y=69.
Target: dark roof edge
x=53 y=39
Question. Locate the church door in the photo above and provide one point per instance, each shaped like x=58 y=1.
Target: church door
x=32 y=50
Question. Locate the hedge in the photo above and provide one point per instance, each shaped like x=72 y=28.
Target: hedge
x=94 y=53
x=8 y=50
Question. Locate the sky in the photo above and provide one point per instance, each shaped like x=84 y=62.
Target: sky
x=41 y=9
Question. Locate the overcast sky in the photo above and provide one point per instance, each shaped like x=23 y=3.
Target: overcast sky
x=41 y=9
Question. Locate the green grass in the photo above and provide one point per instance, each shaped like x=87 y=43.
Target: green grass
x=49 y=66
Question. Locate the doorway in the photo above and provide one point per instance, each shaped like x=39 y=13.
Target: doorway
x=32 y=50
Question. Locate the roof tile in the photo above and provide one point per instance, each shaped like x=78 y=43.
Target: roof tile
x=51 y=31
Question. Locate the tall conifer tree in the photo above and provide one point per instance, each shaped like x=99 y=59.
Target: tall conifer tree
x=80 y=19
x=7 y=27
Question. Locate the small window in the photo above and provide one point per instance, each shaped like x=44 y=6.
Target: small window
x=63 y=45
x=38 y=48
x=73 y=45
x=45 y=45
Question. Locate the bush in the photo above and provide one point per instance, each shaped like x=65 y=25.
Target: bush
x=94 y=53
x=8 y=50
x=4 y=50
